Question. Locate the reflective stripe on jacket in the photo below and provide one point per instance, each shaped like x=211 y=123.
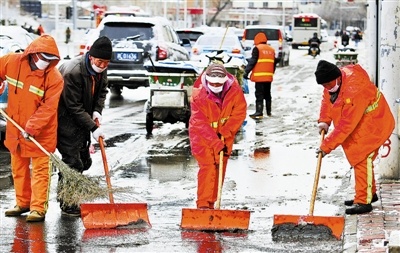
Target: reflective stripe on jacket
x=361 y=116
x=210 y=116
x=32 y=98
x=263 y=71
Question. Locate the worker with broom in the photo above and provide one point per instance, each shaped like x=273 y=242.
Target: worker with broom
x=81 y=103
x=34 y=88
x=218 y=109
x=362 y=123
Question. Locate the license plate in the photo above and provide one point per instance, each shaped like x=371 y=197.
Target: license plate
x=127 y=56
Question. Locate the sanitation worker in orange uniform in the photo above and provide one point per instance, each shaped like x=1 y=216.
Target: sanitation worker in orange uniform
x=34 y=89
x=218 y=109
x=362 y=123
x=262 y=65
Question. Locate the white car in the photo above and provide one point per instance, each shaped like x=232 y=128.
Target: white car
x=275 y=38
x=324 y=36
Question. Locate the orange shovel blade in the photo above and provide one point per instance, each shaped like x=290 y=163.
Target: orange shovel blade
x=95 y=215
x=216 y=220
x=335 y=223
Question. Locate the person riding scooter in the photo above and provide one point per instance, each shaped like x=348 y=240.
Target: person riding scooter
x=314 y=42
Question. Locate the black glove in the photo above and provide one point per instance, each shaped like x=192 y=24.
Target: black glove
x=246 y=76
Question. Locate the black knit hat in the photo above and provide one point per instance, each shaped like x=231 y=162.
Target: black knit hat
x=326 y=72
x=101 y=48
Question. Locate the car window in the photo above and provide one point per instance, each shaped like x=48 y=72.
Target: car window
x=167 y=34
x=217 y=40
x=174 y=36
x=190 y=35
x=272 y=34
x=119 y=31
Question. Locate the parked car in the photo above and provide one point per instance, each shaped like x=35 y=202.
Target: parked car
x=18 y=34
x=217 y=42
x=276 y=38
x=191 y=34
x=134 y=40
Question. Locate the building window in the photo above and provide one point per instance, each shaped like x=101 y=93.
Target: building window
x=280 y=5
x=251 y=4
x=265 y=5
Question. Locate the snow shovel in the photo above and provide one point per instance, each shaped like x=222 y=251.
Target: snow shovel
x=335 y=224
x=112 y=215
x=215 y=219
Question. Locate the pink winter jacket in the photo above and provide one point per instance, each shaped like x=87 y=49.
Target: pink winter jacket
x=211 y=115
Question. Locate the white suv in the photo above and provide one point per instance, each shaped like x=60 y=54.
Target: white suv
x=275 y=38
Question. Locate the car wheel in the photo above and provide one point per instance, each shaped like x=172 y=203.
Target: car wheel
x=149 y=123
x=116 y=90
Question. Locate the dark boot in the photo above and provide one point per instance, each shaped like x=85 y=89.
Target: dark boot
x=259 y=111
x=359 y=209
x=268 y=107
x=350 y=202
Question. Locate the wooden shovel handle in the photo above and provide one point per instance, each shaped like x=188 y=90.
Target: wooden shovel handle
x=106 y=170
x=316 y=178
x=23 y=130
x=220 y=177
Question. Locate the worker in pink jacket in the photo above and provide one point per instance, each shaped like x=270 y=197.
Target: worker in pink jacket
x=218 y=109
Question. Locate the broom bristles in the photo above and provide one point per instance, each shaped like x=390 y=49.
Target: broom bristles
x=75 y=188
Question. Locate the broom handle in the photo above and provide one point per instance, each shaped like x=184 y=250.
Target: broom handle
x=106 y=171
x=220 y=175
x=316 y=178
x=23 y=130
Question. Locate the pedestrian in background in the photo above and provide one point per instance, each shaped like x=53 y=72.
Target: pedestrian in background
x=262 y=65
x=81 y=103
x=40 y=30
x=34 y=88
x=362 y=123
x=67 y=35
x=345 y=39
x=218 y=109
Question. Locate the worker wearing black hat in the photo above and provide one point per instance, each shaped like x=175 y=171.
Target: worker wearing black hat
x=81 y=103
x=362 y=123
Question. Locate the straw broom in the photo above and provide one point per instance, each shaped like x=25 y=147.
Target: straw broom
x=75 y=187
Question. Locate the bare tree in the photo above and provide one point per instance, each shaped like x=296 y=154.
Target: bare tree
x=219 y=5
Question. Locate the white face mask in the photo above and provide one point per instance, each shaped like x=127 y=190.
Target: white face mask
x=97 y=69
x=215 y=89
x=40 y=64
x=335 y=88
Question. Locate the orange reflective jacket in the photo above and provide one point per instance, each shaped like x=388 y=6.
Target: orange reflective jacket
x=263 y=71
x=209 y=117
x=361 y=116
x=32 y=98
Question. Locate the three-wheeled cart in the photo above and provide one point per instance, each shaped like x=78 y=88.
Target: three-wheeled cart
x=345 y=56
x=171 y=85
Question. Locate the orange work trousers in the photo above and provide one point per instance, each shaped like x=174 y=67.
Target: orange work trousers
x=31 y=189
x=365 y=179
x=207 y=184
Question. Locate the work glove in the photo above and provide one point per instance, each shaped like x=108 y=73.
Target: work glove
x=322 y=126
x=97 y=133
x=319 y=150
x=97 y=115
x=3 y=85
x=26 y=135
